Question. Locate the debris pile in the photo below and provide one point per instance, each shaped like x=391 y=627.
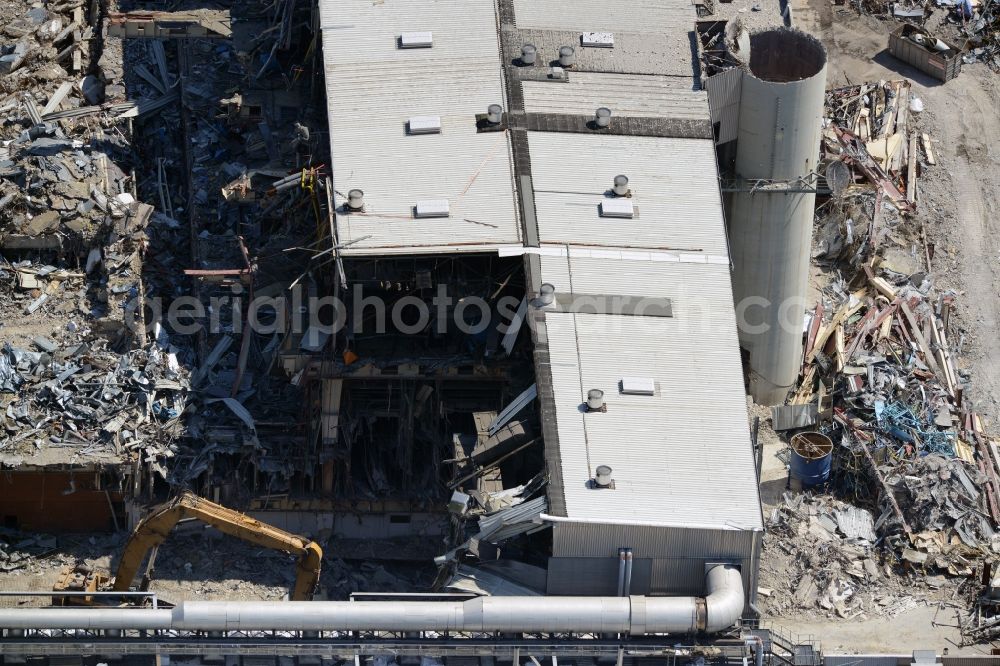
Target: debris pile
x=867 y=136
x=827 y=557
x=881 y=375
x=195 y=563
x=91 y=402
x=945 y=511
x=67 y=143
x=22 y=552
x=980 y=23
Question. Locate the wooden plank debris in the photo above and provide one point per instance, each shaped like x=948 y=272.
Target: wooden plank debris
x=928 y=151
x=911 y=170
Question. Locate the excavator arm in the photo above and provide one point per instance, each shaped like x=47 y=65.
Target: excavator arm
x=156 y=527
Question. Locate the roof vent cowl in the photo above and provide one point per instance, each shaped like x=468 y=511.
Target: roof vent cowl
x=603 y=477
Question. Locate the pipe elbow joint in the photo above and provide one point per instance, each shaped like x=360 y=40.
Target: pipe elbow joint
x=724 y=600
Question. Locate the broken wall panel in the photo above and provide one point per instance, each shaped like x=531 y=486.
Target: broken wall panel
x=57 y=501
x=204 y=23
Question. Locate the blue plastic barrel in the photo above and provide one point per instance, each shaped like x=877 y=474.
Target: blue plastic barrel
x=812 y=453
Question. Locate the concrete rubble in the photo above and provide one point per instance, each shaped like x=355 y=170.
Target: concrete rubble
x=825 y=558
x=91 y=142
x=196 y=563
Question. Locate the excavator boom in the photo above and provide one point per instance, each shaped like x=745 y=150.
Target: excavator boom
x=154 y=529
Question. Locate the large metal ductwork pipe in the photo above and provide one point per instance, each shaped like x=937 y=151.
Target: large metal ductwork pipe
x=770 y=228
x=718 y=610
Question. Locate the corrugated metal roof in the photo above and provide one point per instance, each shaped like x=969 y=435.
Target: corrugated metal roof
x=636 y=277
x=681 y=457
x=373 y=87
x=625 y=94
x=673 y=18
x=674 y=191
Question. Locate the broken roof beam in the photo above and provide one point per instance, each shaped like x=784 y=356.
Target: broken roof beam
x=203 y=23
x=856 y=152
x=244 y=274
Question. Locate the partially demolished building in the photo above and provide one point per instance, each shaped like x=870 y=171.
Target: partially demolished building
x=469 y=314
x=455 y=156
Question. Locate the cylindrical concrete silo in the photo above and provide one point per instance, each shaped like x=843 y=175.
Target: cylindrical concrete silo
x=780 y=122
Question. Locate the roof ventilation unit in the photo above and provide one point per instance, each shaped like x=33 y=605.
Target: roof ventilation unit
x=424 y=124
x=618 y=207
x=604 y=40
x=638 y=386
x=494 y=114
x=559 y=74
x=416 y=40
x=621 y=185
x=602 y=117
x=528 y=54
x=355 y=200
x=603 y=477
x=595 y=400
x=567 y=56
x=546 y=294
x=432 y=208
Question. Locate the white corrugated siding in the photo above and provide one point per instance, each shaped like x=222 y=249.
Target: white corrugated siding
x=681 y=457
x=673 y=181
x=668 y=561
x=625 y=94
x=724 y=90
x=373 y=88
x=603 y=541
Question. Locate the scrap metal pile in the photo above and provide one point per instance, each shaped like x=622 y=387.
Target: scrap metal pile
x=979 y=22
x=96 y=405
x=972 y=25
x=988 y=26
x=880 y=371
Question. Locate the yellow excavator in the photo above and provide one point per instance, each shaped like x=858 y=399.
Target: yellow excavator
x=155 y=528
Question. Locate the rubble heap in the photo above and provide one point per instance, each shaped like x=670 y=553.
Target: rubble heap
x=980 y=23
x=98 y=404
x=826 y=557
x=945 y=511
x=881 y=377
x=63 y=179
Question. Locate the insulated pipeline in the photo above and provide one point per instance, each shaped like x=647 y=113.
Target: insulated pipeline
x=635 y=615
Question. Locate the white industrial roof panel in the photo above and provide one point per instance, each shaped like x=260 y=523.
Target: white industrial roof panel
x=374 y=88
x=675 y=192
x=625 y=94
x=681 y=457
x=670 y=17
x=575 y=272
